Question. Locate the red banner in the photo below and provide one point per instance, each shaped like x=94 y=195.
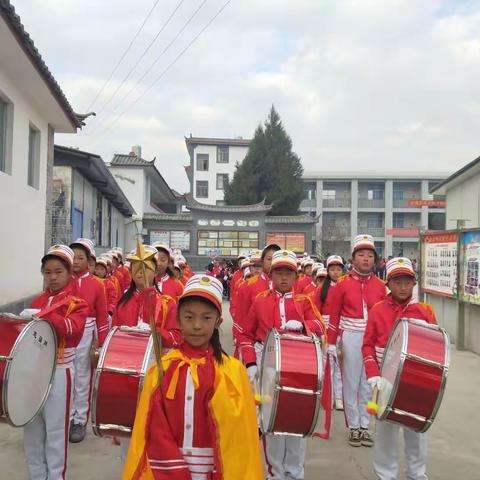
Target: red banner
x=446 y=237
x=427 y=203
x=403 y=232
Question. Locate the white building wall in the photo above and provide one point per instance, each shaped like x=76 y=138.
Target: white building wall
x=132 y=183
x=22 y=212
x=463 y=203
x=235 y=154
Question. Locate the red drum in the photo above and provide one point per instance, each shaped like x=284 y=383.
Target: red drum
x=415 y=366
x=124 y=361
x=28 y=356
x=290 y=384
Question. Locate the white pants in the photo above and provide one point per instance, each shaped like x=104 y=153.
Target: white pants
x=386 y=452
x=82 y=383
x=356 y=391
x=46 y=438
x=336 y=376
x=284 y=457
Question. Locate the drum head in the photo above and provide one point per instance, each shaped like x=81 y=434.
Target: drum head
x=268 y=381
x=29 y=374
x=391 y=365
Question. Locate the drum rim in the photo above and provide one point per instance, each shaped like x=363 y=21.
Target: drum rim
x=403 y=352
x=403 y=357
x=29 y=323
x=276 y=338
x=99 y=369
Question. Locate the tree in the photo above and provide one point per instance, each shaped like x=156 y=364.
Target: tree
x=270 y=171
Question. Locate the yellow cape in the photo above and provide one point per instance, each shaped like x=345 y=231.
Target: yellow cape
x=234 y=414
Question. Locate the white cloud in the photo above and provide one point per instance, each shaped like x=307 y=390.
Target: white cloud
x=383 y=83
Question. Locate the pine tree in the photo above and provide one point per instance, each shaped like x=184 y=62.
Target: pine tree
x=270 y=171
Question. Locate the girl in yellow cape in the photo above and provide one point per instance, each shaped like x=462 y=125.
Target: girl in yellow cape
x=199 y=422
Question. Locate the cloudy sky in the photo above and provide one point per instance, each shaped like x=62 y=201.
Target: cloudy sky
x=360 y=84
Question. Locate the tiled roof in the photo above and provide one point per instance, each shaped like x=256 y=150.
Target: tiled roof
x=7 y=11
x=286 y=219
x=130 y=160
x=170 y=217
x=192 y=204
x=238 y=142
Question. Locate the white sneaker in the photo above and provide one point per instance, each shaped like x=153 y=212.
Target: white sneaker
x=339 y=404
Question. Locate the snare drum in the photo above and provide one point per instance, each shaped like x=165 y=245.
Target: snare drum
x=415 y=366
x=124 y=360
x=28 y=355
x=290 y=384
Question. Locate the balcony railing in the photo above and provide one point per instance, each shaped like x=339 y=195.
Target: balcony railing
x=373 y=231
x=308 y=203
x=344 y=202
x=333 y=233
x=403 y=202
x=371 y=203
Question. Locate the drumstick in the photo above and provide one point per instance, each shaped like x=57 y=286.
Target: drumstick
x=372 y=406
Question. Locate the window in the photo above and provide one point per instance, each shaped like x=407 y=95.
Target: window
x=398 y=194
x=3 y=135
x=328 y=194
x=375 y=193
x=226 y=243
x=33 y=157
x=202 y=189
x=309 y=191
x=202 y=162
x=222 y=154
x=398 y=220
x=222 y=181
x=375 y=221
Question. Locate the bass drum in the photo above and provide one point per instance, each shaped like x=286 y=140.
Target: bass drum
x=28 y=356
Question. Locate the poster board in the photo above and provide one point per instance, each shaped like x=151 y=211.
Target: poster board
x=172 y=238
x=469 y=262
x=293 y=241
x=439 y=263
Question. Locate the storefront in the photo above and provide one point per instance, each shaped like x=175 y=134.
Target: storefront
x=210 y=231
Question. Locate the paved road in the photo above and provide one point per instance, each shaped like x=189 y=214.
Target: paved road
x=454 y=439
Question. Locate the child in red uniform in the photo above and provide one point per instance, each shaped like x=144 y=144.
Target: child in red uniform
x=131 y=306
x=279 y=307
x=381 y=320
x=322 y=298
x=46 y=437
x=93 y=292
x=199 y=422
x=111 y=290
x=305 y=278
x=165 y=279
x=352 y=298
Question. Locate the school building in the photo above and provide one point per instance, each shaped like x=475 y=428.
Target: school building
x=393 y=208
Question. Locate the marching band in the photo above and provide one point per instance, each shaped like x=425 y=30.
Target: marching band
x=138 y=349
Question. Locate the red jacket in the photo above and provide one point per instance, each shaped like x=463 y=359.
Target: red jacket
x=68 y=319
x=111 y=292
x=131 y=313
x=92 y=290
x=302 y=282
x=169 y=286
x=125 y=273
x=310 y=289
x=235 y=282
x=381 y=320
x=248 y=292
x=352 y=298
x=272 y=310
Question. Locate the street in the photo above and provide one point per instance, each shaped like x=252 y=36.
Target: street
x=453 y=441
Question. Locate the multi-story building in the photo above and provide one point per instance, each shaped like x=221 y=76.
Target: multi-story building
x=393 y=208
x=212 y=165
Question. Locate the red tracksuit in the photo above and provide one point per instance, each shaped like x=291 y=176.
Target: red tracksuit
x=111 y=292
x=92 y=290
x=131 y=314
x=46 y=437
x=168 y=285
x=381 y=320
x=352 y=298
x=309 y=289
x=273 y=310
